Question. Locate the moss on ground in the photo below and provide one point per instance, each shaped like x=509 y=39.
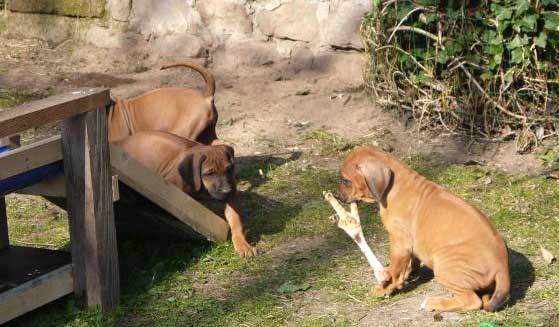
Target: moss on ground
x=166 y=283
x=10 y=97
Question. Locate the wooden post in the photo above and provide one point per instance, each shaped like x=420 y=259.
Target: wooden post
x=90 y=208
x=4 y=240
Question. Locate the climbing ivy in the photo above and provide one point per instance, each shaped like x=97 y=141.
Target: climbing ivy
x=483 y=66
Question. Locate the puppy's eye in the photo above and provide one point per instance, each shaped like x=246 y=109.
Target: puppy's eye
x=346 y=182
x=210 y=173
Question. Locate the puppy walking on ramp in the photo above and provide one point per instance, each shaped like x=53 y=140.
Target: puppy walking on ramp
x=426 y=222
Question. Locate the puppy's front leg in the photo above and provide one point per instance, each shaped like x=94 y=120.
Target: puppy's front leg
x=233 y=217
x=400 y=259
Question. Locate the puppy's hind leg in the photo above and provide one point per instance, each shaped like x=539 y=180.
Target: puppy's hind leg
x=461 y=302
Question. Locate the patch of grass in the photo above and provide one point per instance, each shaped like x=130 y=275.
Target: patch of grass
x=551 y=158
x=168 y=283
x=10 y=98
x=33 y=221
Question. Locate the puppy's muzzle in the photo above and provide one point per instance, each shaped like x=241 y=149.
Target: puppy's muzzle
x=224 y=193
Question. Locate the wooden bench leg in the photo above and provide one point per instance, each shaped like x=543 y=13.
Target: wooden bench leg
x=4 y=240
x=90 y=209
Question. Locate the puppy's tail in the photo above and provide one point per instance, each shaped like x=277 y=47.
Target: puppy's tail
x=209 y=90
x=501 y=293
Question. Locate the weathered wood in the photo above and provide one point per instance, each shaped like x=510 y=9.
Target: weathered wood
x=56 y=187
x=52 y=109
x=90 y=210
x=20 y=264
x=168 y=197
x=35 y=293
x=4 y=240
x=30 y=157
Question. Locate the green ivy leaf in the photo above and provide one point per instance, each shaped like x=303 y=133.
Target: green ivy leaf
x=504 y=14
x=517 y=56
x=509 y=75
x=542 y=65
x=495 y=49
x=431 y=18
x=541 y=40
x=489 y=37
x=517 y=42
x=289 y=287
x=442 y=57
x=551 y=21
x=522 y=7
x=486 y=76
x=453 y=48
x=498 y=58
x=529 y=22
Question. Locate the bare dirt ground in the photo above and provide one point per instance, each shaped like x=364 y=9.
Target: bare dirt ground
x=262 y=109
x=266 y=110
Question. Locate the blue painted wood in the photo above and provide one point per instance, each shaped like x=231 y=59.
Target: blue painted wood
x=31 y=177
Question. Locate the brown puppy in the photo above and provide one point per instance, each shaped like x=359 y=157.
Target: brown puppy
x=202 y=171
x=181 y=111
x=427 y=222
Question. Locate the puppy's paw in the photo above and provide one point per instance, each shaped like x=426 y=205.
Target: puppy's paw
x=427 y=305
x=380 y=291
x=383 y=276
x=243 y=248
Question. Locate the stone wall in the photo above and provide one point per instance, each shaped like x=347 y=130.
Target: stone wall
x=239 y=32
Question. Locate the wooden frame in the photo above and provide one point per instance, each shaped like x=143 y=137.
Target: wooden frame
x=88 y=183
x=88 y=180
x=30 y=157
x=35 y=293
x=52 y=109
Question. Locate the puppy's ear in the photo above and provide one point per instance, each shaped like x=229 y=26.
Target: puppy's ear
x=190 y=170
x=379 y=179
x=229 y=151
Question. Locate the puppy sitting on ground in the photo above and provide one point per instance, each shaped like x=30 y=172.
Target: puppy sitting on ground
x=426 y=222
x=202 y=171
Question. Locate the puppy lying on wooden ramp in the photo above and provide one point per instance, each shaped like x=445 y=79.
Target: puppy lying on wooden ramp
x=202 y=171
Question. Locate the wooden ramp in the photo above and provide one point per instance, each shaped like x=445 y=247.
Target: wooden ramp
x=183 y=213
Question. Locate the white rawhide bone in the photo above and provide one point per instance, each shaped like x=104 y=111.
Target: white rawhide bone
x=351 y=224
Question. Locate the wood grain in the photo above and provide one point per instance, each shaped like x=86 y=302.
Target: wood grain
x=52 y=109
x=35 y=293
x=89 y=202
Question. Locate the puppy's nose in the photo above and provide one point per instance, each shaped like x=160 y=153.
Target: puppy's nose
x=226 y=190
x=338 y=195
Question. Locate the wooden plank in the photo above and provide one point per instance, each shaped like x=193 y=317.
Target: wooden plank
x=30 y=156
x=168 y=197
x=56 y=187
x=4 y=239
x=35 y=293
x=20 y=264
x=89 y=202
x=53 y=187
x=52 y=109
